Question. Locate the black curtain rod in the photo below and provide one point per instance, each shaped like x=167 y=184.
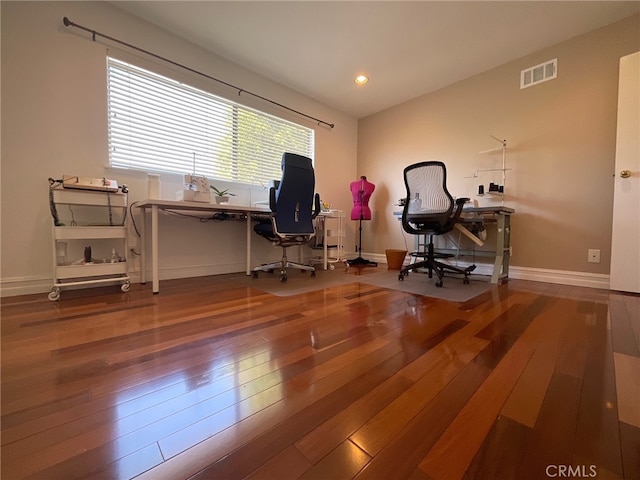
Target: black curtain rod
x=69 y=23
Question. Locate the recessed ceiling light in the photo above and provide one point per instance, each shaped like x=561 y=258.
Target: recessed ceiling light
x=361 y=79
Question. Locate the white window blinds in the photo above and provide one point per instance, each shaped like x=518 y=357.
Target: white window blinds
x=159 y=124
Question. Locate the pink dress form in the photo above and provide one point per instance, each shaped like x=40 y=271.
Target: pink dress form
x=361 y=191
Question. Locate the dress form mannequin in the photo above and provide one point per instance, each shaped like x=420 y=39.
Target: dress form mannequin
x=361 y=191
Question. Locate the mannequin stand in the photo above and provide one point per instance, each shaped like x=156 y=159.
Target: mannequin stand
x=359 y=261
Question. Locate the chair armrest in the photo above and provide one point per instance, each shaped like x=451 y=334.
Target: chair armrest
x=272 y=199
x=316 y=205
x=459 y=204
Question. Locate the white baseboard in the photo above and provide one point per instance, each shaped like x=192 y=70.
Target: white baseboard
x=10 y=287
x=170 y=273
x=563 y=277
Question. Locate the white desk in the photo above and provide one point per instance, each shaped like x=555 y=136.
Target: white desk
x=175 y=205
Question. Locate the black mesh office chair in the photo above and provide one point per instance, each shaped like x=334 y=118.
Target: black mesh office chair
x=293 y=207
x=430 y=210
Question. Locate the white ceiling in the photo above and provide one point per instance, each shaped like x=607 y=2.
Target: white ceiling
x=407 y=48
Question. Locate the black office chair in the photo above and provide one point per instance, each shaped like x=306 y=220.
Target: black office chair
x=429 y=209
x=293 y=207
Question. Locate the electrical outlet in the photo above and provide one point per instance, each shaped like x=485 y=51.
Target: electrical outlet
x=593 y=255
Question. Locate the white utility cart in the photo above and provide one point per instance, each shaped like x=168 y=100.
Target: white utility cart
x=329 y=238
x=89 y=238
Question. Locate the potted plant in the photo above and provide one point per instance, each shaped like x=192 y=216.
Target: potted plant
x=222 y=196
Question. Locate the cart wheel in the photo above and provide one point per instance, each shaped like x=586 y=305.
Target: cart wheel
x=332 y=266
x=125 y=286
x=54 y=294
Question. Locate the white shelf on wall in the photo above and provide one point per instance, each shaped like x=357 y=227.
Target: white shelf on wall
x=478 y=173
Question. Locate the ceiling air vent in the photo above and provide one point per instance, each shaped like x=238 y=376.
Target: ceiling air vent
x=538 y=74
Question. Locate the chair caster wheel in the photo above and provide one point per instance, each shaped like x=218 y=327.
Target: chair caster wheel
x=313 y=274
x=255 y=275
x=125 y=287
x=465 y=280
x=283 y=278
x=332 y=266
x=439 y=283
x=401 y=277
x=54 y=294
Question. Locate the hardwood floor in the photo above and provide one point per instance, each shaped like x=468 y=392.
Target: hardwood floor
x=212 y=379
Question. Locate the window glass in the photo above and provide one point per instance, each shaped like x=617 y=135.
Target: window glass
x=158 y=124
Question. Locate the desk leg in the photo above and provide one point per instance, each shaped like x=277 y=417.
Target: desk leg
x=248 y=243
x=154 y=249
x=507 y=247
x=325 y=246
x=500 y=242
x=143 y=248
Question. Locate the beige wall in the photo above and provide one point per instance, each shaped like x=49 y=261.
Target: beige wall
x=561 y=147
x=54 y=123
x=561 y=137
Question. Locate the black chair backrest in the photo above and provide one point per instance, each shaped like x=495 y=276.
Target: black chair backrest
x=429 y=204
x=294 y=197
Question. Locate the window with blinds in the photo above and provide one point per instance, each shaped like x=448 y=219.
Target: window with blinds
x=160 y=125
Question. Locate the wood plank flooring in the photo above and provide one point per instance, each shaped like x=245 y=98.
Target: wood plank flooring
x=214 y=379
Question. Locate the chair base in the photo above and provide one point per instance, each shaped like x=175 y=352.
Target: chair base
x=283 y=265
x=433 y=265
x=361 y=262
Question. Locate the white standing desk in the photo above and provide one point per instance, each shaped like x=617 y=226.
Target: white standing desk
x=182 y=206
x=500 y=216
